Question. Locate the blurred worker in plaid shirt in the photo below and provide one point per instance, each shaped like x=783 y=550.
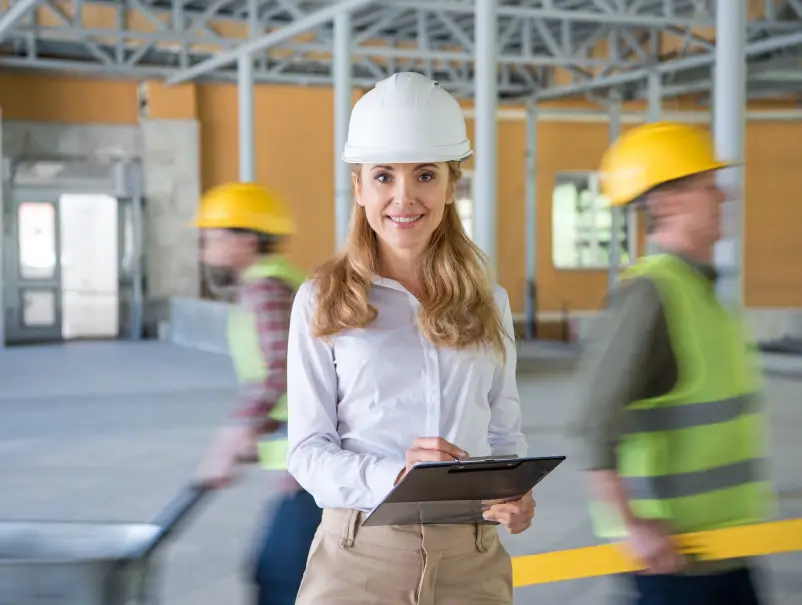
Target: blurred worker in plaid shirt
x=243 y=225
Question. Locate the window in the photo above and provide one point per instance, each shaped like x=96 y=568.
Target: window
x=463 y=198
x=582 y=224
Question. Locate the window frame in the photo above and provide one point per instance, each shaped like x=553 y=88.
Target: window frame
x=628 y=218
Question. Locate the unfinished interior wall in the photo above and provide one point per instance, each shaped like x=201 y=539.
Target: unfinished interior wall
x=171 y=185
x=295 y=157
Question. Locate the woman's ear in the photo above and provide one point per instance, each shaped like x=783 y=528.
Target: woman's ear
x=357 y=187
x=451 y=193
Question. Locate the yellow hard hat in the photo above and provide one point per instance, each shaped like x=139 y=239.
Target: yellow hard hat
x=244 y=206
x=651 y=155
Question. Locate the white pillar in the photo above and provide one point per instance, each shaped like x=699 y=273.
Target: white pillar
x=343 y=193
x=530 y=294
x=485 y=128
x=654 y=94
x=246 y=130
x=729 y=129
x=617 y=213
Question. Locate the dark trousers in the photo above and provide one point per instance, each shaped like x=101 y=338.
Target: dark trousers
x=281 y=560
x=728 y=588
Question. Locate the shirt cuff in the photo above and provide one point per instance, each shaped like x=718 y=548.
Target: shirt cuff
x=383 y=477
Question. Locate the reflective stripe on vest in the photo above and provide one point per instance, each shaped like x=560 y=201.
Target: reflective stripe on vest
x=694 y=457
x=246 y=353
x=273 y=449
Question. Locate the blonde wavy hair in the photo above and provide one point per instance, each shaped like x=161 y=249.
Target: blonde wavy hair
x=457 y=306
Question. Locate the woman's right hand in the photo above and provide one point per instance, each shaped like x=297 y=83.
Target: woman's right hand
x=430 y=449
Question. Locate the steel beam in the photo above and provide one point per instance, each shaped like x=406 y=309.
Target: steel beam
x=622 y=18
x=729 y=128
x=252 y=46
x=176 y=39
x=14 y=14
x=457 y=87
x=616 y=213
x=247 y=163
x=667 y=67
x=530 y=222
x=343 y=196
x=486 y=130
x=654 y=113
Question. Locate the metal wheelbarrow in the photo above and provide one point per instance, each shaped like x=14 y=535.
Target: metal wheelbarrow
x=87 y=563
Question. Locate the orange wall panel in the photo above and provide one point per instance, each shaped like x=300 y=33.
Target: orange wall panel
x=294 y=151
x=72 y=100
x=172 y=102
x=773 y=215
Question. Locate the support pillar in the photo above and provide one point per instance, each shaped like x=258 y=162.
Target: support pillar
x=486 y=129
x=530 y=294
x=246 y=129
x=343 y=190
x=729 y=129
x=616 y=213
x=654 y=94
x=654 y=110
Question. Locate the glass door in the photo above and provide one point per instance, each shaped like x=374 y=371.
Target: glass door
x=33 y=272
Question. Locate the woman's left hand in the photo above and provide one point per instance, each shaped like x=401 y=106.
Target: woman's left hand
x=516 y=516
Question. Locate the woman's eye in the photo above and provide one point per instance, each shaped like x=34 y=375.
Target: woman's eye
x=383 y=177
x=426 y=177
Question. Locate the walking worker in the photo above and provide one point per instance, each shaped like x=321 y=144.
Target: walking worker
x=401 y=351
x=669 y=415
x=243 y=225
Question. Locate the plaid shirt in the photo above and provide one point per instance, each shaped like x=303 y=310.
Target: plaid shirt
x=271 y=302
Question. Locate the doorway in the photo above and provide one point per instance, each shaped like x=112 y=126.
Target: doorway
x=71 y=252
x=68 y=266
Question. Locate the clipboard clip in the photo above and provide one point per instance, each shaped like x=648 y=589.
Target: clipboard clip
x=504 y=458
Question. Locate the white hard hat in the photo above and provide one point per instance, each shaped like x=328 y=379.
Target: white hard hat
x=406 y=118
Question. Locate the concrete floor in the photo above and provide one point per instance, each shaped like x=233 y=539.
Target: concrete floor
x=112 y=431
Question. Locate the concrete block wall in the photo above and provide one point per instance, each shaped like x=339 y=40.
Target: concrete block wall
x=170 y=155
x=171 y=167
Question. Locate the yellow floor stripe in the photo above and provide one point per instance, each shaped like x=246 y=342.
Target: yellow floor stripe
x=746 y=541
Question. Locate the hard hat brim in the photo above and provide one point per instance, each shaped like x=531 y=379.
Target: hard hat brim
x=383 y=156
x=284 y=227
x=713 y=167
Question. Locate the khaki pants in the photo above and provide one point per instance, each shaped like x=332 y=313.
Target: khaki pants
x=404 y=564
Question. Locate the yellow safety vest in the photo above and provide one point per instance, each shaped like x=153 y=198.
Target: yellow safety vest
x=247 y=357
x=694 y=457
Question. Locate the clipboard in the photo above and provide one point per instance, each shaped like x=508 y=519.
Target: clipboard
x=459 y=491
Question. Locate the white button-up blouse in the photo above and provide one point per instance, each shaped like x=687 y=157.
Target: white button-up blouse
x=356 y=403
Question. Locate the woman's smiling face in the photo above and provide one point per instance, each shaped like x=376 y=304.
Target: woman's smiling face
x=404 y=203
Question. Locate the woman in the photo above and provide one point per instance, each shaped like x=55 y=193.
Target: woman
x=401 y=351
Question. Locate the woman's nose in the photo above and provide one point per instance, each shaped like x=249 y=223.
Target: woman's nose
x=404 y=191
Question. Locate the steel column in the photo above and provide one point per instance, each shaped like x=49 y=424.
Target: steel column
x=654 y=94
x=246 y=127
x=615 y=212
x=343 y=196
x=530 y=302
x=486 y=128
x=729 y=128
x=134 y=179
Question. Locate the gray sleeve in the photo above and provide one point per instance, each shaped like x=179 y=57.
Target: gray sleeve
x=618 y=363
